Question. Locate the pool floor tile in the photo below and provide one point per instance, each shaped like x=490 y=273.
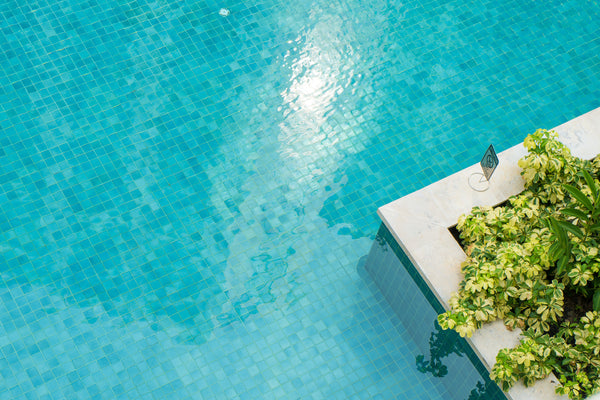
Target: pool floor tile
x=187 y=199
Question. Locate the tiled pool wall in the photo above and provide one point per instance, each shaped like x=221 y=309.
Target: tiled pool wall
x=445 y=354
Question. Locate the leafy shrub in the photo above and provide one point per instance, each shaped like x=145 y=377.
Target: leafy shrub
x=522 y=260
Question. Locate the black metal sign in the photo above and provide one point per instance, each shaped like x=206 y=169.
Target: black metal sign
x=489 y=162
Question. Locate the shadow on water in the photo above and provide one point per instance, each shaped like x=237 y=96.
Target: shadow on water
x=443 y=354
x=442 y=343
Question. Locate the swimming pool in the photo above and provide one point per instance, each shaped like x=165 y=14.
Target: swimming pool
x=185 y=197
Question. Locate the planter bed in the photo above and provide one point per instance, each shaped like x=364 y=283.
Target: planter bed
x=419 y=222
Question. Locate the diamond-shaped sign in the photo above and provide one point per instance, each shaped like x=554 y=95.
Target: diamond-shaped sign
x=489 y=162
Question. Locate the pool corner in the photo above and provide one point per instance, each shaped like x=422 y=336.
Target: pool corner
x=419 y=223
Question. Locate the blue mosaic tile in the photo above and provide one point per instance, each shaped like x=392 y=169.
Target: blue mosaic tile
x=186 y=198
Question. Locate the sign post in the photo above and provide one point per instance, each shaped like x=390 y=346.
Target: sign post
x=478 y=181
x=489 y=162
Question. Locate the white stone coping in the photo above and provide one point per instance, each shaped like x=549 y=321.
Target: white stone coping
x=420 y=222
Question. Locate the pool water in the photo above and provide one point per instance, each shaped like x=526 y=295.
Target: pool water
x=187 y=199
x=443 y=354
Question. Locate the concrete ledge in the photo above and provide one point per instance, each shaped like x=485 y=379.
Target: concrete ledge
x=420 y=222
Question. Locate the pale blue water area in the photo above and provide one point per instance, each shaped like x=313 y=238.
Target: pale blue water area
x=187 y=199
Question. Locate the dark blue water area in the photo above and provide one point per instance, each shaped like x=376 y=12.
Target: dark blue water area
x=443 y=354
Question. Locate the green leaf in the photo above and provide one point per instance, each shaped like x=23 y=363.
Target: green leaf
x=573 y=212
x=596 y=301
x=562 y=263
x=555 y=251
x=558 y=231
x=595 y=227
x=590 y=182
x=578 y=194
x=569 y=227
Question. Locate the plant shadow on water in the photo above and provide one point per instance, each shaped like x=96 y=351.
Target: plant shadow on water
x=443 y=354
x=444 y=344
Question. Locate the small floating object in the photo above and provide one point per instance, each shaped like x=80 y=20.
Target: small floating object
x=223 y=12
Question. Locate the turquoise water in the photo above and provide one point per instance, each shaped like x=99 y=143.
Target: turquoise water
x=185 y=198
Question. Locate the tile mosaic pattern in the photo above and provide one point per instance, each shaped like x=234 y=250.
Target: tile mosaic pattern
x=185 y=197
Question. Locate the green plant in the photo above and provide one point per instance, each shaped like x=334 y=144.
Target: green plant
x=534 y=263
x=575 y=246
x=549 y=164
x=573 y=354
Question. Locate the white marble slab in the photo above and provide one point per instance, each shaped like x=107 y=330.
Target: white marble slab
x=420 y=222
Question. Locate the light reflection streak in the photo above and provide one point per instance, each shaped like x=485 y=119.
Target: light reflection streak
x=322 y=68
